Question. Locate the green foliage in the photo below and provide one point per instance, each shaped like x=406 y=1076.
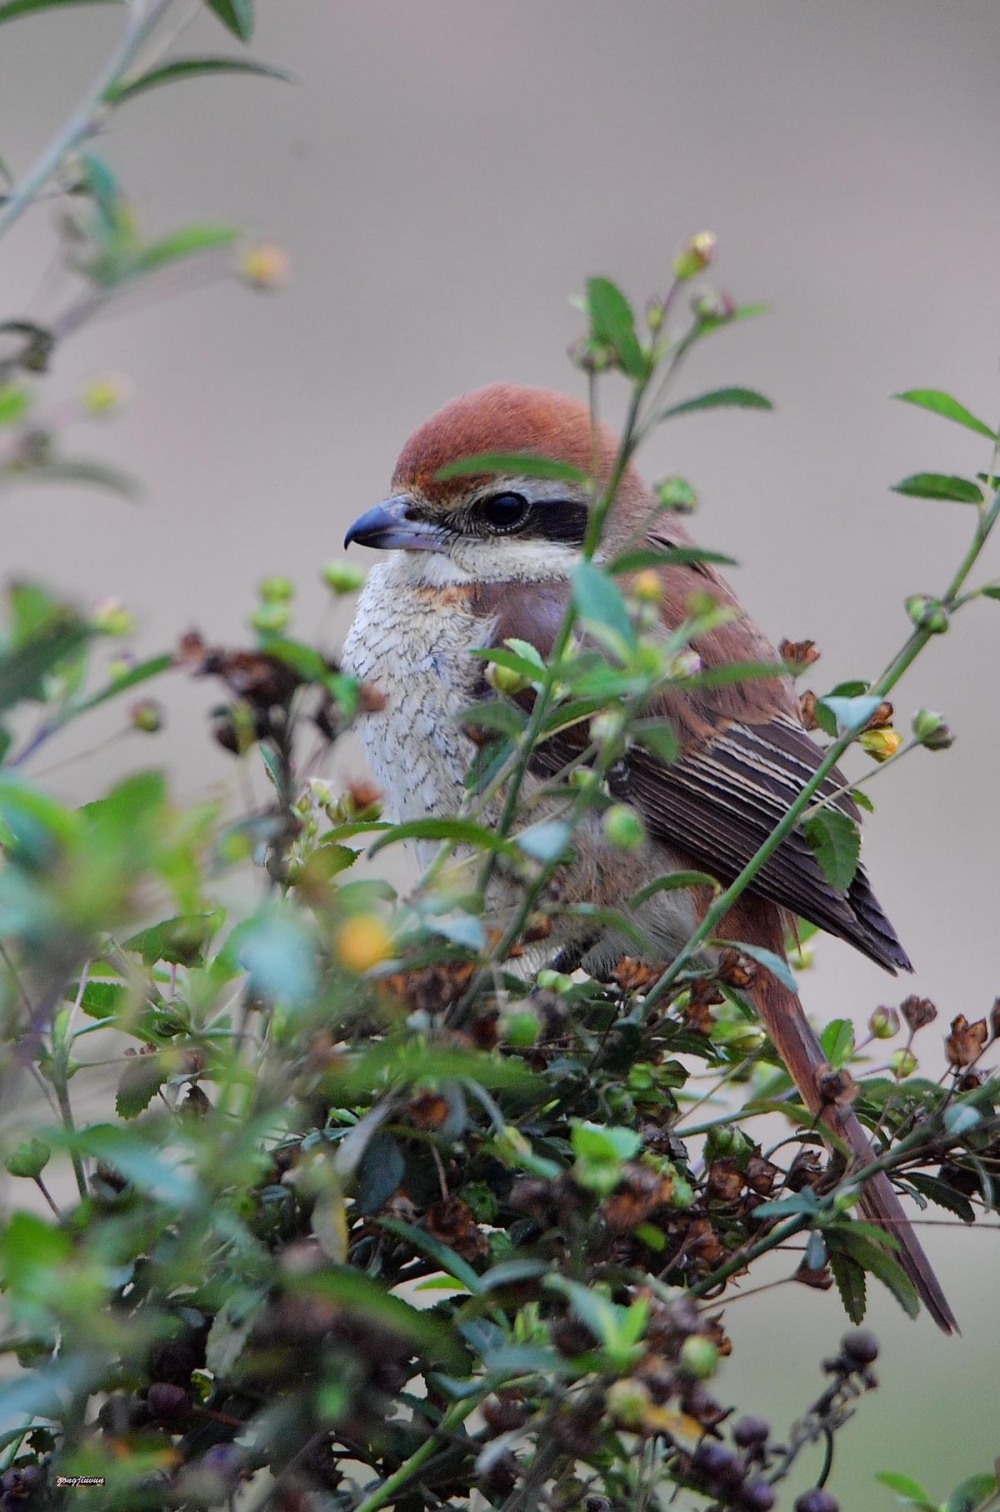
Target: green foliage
x=374 y=1209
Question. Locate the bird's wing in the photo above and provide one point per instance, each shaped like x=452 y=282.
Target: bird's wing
x=744 y=757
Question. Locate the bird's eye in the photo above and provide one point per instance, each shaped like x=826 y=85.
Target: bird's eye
x=504 y=511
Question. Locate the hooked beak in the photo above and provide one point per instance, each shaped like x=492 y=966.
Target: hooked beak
x=389 y=527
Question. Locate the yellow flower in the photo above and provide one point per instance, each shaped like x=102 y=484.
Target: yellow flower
x=362 y=942
x=881 y=744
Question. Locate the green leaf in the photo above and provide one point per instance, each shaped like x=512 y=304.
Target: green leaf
x=837 y=1041
x=928 y=485
x=906 y=1486
x=189 y=68
x=843 y=1239
x=602 y=609
x=24 y=667
x=805 y=1201
x=850 y=1279
x=462 y=831
x=29 y=1247
x=138 y=1161
x=673 y=556
x=509 y=1272
x=12 y=9
x=76 y=470
x=544 y=842
x=506 y=718
x=140 y=673
x=724 y=398
x=187 y=242
x=658 y=736
x=459 y=1270
x=774 y=964
x=852 y=713
x=179 y=941
x=836 y=843
x=592 y=1141
x=972 y=1493
x=519 y=464
x=671 y=882
x=612 y=322
x=139 y=1083
x=380 y=1173
x=14 y=402
x=102 y=186
x=595 y=1311
x=943 y=404
x=945 y=1196
x=237 y=15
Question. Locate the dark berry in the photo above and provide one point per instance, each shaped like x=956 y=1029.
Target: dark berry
x=717 y=1465
x=168 y=1403
x=756 y=1496
x=860 y=1347
x=751 y=1430
x=817 y=1500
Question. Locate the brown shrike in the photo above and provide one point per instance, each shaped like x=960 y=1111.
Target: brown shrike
x=474 y=560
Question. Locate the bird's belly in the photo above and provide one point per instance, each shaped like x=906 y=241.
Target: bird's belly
x=415 y=649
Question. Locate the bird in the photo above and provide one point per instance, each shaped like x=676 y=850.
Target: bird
x=473 y=560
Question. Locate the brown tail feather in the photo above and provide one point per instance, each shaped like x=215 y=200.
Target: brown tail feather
x=786 y=1023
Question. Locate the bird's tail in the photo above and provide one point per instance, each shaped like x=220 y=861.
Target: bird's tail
x=785 y=1021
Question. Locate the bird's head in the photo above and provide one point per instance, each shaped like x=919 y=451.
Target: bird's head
x=509 y=526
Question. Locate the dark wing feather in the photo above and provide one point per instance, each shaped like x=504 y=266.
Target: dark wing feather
x=732 y=783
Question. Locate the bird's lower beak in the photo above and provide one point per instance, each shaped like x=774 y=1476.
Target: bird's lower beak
x=390 y=527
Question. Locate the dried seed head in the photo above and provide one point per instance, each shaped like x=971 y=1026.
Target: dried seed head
x=800 y=653
x=966 y=1042
x=917 y=1012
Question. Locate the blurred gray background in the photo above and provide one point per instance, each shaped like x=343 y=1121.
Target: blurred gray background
x=444 y=175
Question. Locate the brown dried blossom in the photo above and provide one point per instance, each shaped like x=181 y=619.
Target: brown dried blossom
x=966 y=1042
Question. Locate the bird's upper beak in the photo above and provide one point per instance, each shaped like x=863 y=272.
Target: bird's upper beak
x=390 y=527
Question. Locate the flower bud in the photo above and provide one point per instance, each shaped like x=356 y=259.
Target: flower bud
x=112 y=617
x=627 y=1403
x=506 y=680
x=881 y=744
x=713 y=304
x=684 y=664
x=321 y=791
x=271 y=619
x=362 y=942
x=655 y=315
x=646 y=587
x=624 y=827
x=147 y=716
x=682 y=1195
x=606 y=728
x=584 y=778
x=102 y=396
x=884 y=1023
x=695 y=256
x=554 y=981
x=699 y=1357
x=264 y=267
x=521 y=1029
x=676 y=494
x=927 y=613
x=931 y=730
x=902 y=1063
x=343 y=577
x=277 y=590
